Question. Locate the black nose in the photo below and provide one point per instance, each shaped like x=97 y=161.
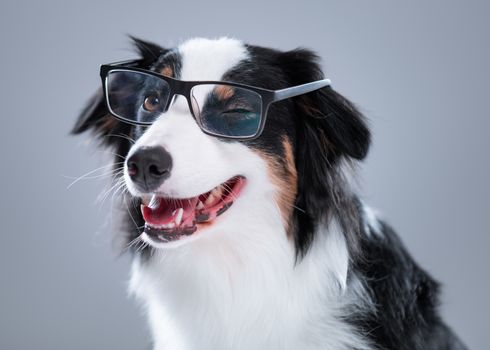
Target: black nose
x=148 y=167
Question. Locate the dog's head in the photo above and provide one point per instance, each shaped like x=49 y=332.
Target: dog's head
x=194 y=187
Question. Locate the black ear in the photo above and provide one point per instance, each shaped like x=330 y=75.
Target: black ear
x=148 y=51
x=328 y=129
x=337 y=122
x=94 y=111
x=95 y=115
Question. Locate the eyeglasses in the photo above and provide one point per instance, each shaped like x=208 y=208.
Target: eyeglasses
x=222 y=109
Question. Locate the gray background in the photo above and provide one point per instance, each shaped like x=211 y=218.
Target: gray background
x=419 y=71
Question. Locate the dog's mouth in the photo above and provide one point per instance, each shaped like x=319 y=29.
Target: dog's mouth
x=170 y=219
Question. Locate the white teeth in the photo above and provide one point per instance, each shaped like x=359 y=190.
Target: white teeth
x=178 y=218
x=214 y=196
x=154 y=202
x=200 y=205
x=218 y=191
x=210 y=200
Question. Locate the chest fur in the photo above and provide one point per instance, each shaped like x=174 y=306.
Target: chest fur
x=235 y=297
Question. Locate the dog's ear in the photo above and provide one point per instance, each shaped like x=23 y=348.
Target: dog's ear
x=340 y=128
x=328 y=129
x=95 y=116
x=148 y=51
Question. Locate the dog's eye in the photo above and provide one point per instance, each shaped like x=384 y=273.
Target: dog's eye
x=151 y=103
x=237 y=111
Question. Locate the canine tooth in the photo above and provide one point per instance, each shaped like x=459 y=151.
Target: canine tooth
x=200 y=205
x=178 y=218
x=154 y=202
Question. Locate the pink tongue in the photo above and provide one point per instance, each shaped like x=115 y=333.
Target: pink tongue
x=166 y=211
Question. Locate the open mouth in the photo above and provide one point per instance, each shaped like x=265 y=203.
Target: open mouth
x=170 y=219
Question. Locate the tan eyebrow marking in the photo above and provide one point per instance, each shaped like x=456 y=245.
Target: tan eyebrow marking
x=167 y=71
x=224 y=92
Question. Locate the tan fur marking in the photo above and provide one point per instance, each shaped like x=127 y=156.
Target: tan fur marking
x=224 y=92
x=167 y=71
x=289 y=191
x=285 y=179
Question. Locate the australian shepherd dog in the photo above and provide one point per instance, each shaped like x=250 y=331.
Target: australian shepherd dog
x=236 y=162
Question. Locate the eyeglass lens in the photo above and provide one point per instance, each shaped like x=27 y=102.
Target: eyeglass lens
x=136 y=96
x=219 y=109
x=227 y=110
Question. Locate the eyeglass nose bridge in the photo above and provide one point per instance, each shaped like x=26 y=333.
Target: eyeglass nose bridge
x=179 y=88
x=172 y=98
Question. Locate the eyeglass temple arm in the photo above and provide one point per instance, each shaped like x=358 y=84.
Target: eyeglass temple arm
x=126 y=63
x=300 y=89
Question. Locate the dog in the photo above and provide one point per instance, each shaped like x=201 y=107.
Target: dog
x=246 y=229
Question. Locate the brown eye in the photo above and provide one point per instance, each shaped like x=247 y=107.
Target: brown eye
x=151 y=103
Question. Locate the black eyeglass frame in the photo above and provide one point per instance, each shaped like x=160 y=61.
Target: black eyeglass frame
x=183 y=88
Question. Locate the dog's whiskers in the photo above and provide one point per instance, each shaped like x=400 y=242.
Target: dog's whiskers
x=131 y=216
x=126 y=137
x=229 y=190
x=116 y=186
x=112 y=154
x=104 y=175
x=89 y=174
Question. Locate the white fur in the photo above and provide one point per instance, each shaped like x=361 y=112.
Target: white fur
x=206 y=59
x=235 y=285
x=243 y=290
x=371 y=222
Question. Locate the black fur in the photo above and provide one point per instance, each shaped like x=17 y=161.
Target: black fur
x=327 y=133
x=171 y=59
x=406 y=297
